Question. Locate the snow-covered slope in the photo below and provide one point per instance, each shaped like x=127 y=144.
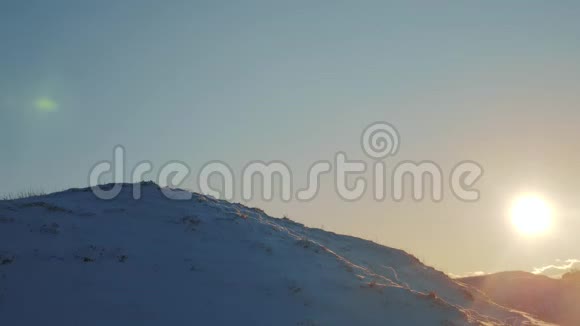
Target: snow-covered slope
x=72 y=259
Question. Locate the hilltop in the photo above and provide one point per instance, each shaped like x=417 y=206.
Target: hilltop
x=69 y=258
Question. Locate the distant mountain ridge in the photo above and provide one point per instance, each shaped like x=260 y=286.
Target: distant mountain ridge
x=71 y=259
x=552 y=300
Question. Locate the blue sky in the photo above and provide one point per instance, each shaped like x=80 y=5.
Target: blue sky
x=491 y=81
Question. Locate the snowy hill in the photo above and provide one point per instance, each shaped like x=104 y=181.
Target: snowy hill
x=72 y=259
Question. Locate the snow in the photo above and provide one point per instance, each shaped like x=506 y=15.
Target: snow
x=71 y=259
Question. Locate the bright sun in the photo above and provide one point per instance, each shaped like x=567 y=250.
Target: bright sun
x=531 y=215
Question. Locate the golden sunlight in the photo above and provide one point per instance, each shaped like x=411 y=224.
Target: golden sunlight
x=531 y=214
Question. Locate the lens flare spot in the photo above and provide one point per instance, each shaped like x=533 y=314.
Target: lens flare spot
x=45 y=104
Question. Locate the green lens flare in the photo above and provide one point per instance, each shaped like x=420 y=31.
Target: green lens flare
x=46 y=104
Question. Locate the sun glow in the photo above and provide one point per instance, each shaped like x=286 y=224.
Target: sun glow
x=531 y=215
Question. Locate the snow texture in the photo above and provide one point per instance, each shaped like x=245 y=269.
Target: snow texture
x=71 y=259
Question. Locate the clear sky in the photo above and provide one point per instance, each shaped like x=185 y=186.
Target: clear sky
x=490 y=81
